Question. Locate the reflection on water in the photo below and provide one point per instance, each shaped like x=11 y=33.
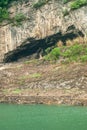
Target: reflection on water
x=42 y=117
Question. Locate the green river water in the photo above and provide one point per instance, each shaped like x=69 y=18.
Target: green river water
x=42 y=117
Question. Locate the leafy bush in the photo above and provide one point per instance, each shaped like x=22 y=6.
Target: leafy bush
x=17 y=20
x=73 y=50
x=19 y=17
x=4 y=15
x=54 y=54
x=76 y=52
x=4 y=3
x=83 y=58
x=78 y=3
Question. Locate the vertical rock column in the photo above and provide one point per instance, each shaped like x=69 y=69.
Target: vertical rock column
x=2 y=43
x=5 y=41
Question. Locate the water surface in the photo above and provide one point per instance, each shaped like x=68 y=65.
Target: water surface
x=42 y=117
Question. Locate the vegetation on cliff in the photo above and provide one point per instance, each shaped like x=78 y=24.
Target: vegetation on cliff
x=74 y=4
x=74 y=51
x=78 y=3
x=5 y=15
x=4 y=5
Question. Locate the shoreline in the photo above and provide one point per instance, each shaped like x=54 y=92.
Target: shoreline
x=47 y=100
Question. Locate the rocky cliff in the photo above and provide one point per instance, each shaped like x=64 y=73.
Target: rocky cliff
x=41 y=23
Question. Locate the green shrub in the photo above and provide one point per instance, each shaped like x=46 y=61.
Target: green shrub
x=4 y=3
x=19 y=17
x=67 y=53
x=77 y=4
x=76 y=52
x=83 y=58
x=76 y=49
x=72 y=51
x=54 y=54
x=85 y=49
x=4 y=13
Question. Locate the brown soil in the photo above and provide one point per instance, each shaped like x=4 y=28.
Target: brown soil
x=39 y=82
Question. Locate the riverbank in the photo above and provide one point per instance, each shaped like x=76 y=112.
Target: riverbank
x=40 y=82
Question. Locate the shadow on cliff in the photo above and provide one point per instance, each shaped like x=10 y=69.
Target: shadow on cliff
x=32 y=48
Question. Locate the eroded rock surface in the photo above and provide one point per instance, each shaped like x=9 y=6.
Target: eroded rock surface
x=40 y=23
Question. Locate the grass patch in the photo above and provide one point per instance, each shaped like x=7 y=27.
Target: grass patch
x=16 y=91
x=34 y=75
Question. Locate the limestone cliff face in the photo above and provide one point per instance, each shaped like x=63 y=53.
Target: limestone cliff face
x=40 y=23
